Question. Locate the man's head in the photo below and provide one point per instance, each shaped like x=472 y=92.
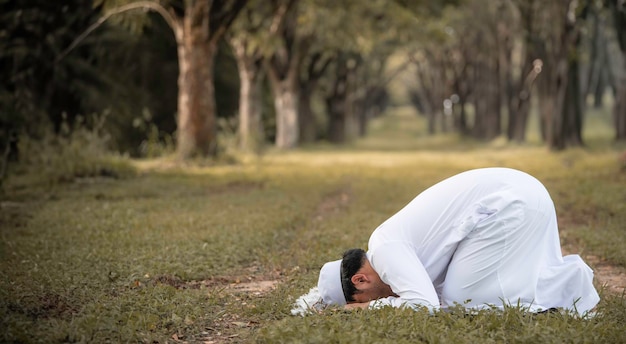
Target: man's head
x=351 y=263
x=351 y=279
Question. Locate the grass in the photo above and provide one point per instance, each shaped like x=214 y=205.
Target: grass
x=156 y=257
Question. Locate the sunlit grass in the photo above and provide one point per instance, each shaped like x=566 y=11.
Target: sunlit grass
x=121 y=260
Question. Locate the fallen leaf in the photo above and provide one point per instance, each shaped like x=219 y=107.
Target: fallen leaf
x=188 y=320
x=240 y=323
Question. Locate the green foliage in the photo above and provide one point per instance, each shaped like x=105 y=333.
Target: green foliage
x=156 y=143
x=36 y=88
x=79 y=150
x=110 y=70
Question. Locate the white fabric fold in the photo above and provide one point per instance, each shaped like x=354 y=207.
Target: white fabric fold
x=309 y=303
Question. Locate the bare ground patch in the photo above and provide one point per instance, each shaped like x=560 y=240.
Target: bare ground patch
x=250 y=279
x=229 y=283
x=242 y=288
x=609 y=276
x=333 y=203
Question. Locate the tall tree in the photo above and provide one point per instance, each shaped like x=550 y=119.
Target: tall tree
x=370 y=97
x=248 y=39
x=329 y=68
x=198 y=26
x=521 y=88
x=494 y=44
x=465 y=64
x=362 y=37
x=597 y=71
x=618 y=8
x=431 y=90
x=337 y=102
x=292 y=42
x=315 y=65
x=560 y=95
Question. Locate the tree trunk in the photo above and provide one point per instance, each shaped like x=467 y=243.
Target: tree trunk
x=518 y=119
x=337 y=104
x=494 y=122
x=572 y=108
x=355 y=93
x=545 y=104
x=429 y=76
x=554 y=105
x=337 y=121
x=461 y=123
x=599 y=88
x=619 y=110
x=197 y=127
x=593 y=82
x=317 y=63
x=519 y=106
x=566 y=124
x=511 y=90
x=283 y=69
x=562 y=108
x=519 y=102
x=197 y=33
x=286 y=103
x=487 y=103
x=366 y=106
x=362 y=115
x=251 y=135
x=461 y=90
x=307 y=123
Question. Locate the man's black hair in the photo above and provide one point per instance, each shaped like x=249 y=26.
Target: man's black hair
x=352 y=261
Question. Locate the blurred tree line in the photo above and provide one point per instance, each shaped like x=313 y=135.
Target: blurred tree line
x=290 y=72
x=495 y=56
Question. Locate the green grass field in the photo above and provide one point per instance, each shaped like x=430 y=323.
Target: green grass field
x=218 y=253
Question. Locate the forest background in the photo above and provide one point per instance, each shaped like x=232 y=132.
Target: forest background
x=173 y=76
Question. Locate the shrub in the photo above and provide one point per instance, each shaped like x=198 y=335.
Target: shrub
x=77 y=150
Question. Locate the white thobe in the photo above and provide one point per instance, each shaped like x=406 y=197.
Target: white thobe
x=483 y=238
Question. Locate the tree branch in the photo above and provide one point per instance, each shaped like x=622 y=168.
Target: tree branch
x=150 y=5
x=277 y=20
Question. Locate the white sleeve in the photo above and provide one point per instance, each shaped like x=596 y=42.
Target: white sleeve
x=398 y=265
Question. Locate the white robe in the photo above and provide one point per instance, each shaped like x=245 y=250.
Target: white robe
x=483 y=238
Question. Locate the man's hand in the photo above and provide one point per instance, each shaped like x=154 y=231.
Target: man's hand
x=357 y=305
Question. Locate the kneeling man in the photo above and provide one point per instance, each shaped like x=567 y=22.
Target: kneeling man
x=484 y=238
